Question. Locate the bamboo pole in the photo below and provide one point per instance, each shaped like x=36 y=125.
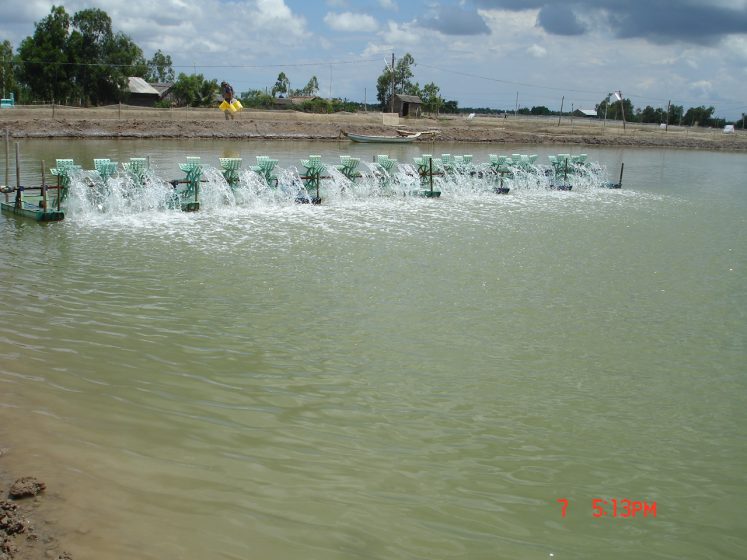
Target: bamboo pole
x=19 y=190
x=44 y=188
x=59 y=193
x=7 y=161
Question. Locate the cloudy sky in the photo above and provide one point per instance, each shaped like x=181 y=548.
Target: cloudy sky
x=479 y=52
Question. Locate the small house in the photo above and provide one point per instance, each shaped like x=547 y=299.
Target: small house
x=407 y=105
x=141 y=93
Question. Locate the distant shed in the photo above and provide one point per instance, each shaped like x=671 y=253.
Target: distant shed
x=164 y=90
x=589 y=113
x=407 y=105
x=141 y=93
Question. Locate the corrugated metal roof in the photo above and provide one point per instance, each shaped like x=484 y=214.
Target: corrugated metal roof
x=408 y=98
x=138 y=85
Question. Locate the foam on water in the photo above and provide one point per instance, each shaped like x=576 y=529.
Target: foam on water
x=120 y=198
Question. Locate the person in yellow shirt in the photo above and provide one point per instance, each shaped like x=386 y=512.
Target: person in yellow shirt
x=231 y=103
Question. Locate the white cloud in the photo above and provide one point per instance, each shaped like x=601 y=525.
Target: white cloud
x=388 y=5
x=189 y=30
x=537 y=51
x=372 y=50
x=736 y=46
x=348 y=21
x=701 y=87
x=401 y=34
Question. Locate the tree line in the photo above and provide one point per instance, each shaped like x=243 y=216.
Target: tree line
x=673 y=115
x=80 y=59
x=76 y=58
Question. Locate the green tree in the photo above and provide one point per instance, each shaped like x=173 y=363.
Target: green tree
x=194 y=90
x=257 y=99
x=451 y=106
x=650 y=115
x=432 y=100
x=78 y=58
x=159 y=68
x=87 y=48
x=676 y=112
x=540 y=110
x=312 y=87
x=43 y=58
x=699 y=116
x=615 y=110
x=402 y=83
x=282 y=84
x=7 y=75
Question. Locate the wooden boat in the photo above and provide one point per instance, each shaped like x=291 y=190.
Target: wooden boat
x=365 y=138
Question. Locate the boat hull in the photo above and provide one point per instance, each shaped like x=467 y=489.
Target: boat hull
x=32 y=211
x=380 y=139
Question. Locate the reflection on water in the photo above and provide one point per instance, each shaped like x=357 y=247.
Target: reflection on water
x=385 y=376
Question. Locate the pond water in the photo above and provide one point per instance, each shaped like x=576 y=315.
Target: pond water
x=386 y=377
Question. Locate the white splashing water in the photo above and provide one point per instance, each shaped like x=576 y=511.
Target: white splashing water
x=91 y=199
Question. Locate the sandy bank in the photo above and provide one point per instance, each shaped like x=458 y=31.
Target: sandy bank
x=289 y=125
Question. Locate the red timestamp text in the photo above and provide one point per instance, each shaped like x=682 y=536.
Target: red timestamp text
x=624 y=508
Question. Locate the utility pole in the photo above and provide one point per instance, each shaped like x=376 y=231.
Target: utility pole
x=622 y=106
x=606 y=106
x=666 y=127
x=516 y=108
x=392 y=111
x=562 y=99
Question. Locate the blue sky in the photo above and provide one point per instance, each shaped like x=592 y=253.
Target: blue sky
x=479 y=52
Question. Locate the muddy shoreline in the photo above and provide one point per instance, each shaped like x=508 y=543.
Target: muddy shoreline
x=24 y=532
x=299 y=126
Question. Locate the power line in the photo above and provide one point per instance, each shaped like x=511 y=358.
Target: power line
x=283 y=65
x=509 y=82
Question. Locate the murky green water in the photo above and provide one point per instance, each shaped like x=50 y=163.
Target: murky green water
x=388 y=378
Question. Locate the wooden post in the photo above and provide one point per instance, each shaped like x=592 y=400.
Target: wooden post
x=44 y=188
x=666 y=127
x=19 y=190
x=59 y=194
x=7 y=161
x=622 y=107
x=620 y=182
x=606 y=106
x=571 y=117
x=562 y=99
x=392 y=111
